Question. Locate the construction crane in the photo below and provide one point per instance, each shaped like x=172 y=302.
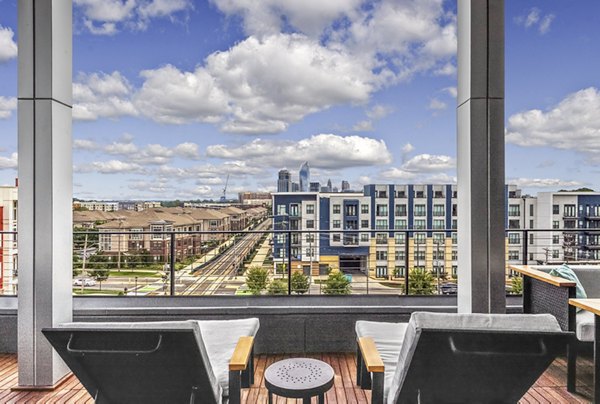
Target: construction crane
x=224 y=196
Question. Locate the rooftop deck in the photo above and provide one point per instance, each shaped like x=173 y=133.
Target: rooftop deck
x=550 y=388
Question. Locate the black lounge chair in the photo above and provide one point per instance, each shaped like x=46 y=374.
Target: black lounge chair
x=159 y=362
x=456 y=358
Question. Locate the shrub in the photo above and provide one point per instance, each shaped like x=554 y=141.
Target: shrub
x=336 y=284
x=300 y=283
x=278 y=287
x=99 y=274
x=420 y=282
x=256 y=279
x=517 y=285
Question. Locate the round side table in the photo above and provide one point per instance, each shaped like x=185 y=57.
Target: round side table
x=299 y=378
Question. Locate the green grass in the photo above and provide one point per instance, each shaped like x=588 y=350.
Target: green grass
x=96 y=292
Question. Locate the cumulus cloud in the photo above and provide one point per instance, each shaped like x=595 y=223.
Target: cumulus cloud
x=152 y=154
x=9 y=162
x=326 y=151
x=363 y=126
x=437 y=105
x=102 y=95
x=542 y=182
x=406 y=150
x=108 y=17
x=8 y=47
x=451 y=91
x=534 y=18
x=379 y=111
x=427 y=167
x=85 y=144
x=572 y=124
x=109 y=167
x=7 y=106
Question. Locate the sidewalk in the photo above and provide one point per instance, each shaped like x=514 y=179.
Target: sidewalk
x=261 y=254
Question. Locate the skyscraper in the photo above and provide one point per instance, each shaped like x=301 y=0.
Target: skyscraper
x=284 y=183
x=345 y=186
x=304 y=177
x=329 y=188
x=315 y=187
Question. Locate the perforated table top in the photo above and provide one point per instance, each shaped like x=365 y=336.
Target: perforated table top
x=299 y=377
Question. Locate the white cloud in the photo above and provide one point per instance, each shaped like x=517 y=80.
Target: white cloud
x=8 y=47
x=451 y=91
x=394 y=173
x=534 y=18
x=109 y=167
x=572 y=124
x=379 y=111
x=326 y=151
x=542 y=182
x=108 y=17
x=406 y=150
x=85 y=144
x=152 y=154
x=427 y=167
x=429 y=163
x=7 y=106
x=9 y=162
x=363 y=126
x=101 y=95
x=437 y=105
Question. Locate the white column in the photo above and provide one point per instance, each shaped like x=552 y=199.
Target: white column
x=481 y=194
x=45 y=184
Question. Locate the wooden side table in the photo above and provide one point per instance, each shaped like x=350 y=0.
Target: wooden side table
x=299 y=378
x=593 y=305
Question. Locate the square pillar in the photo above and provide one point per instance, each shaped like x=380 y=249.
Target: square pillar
x=45 y=185
x=481 y=188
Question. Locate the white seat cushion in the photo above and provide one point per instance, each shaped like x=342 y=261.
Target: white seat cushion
x=388 y=339
x=220 y=338
x=585 y=326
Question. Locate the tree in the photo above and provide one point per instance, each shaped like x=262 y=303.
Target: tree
x=256 y=279
x=420 y=282
x=99 y=274
x=278 y=287
x=336 y=284
x=517 y=285
x=300 y=283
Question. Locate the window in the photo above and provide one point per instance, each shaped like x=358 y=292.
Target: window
x=381 y=224
x=438 y=210
x=420 y=224
x=364 y=208
x=556 y=224
x=556 y=239
x=381 y=210
x=454 y=270
x=514 y=238
x=337 y=224
x=570 y=211
x=309 y=252
x=439 y=238
x=399 y=271
x=401 y=194
x=439 y=255
x=555 y=254
x=352 y=224
x=454 y=210
x=310 y=238
x=531 y=210
x=336 y=238
x=155 y=234
x=454 y=238
x=514 y=210
x=556 y=209
x=136 y=236
x=420 y=238
x=381 y=255
x=364 y=237
x=514 y=224
x=419 y=194
x=419 y=210
x=570 y=224
x=381 y=238
x=438 y=194
x=336 y=208
x=380 y=194
x=310 y=224
x=381 y=271
x=454 y=255
x=281 y=209
x=399 y=255
x=454 y=224
x=401 y=210
x=364 y=224
x=439 y=224
x=310 y=209
x=419 y=255
x=400 y=238
x=350 y=210
x=531 y=226
x=531 y=239
x=513 y=255
x=294 y=210
x=400 y=224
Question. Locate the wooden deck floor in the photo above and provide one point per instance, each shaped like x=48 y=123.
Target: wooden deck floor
x=550 y=388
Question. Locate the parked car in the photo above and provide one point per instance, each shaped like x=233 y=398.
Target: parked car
x=449 y=288
x=84 y=282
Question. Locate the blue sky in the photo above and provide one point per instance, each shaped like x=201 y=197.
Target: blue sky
x=171 y=96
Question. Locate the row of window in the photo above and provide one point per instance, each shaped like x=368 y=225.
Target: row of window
x=381 y=271
x=416 y=194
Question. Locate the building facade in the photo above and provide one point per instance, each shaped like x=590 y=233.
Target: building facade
x=304 y=177
x=284 y=181
x=8 y=241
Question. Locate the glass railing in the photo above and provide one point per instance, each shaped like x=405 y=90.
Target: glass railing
x=261 y=261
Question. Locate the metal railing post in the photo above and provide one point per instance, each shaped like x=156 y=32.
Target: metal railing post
x=289 y=269
x=172 y=264
x=406 y=261
x=525 y=246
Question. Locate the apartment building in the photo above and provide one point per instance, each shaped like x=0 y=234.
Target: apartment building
x=8 y=241
x=387 y=227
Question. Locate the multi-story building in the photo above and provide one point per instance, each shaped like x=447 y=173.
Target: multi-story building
x=8 y=241
x=304 y=177
x=103 y=206
x=345 y=186
x=314 y=187
x=386 y=228
x=255 y=198
x=284 y=181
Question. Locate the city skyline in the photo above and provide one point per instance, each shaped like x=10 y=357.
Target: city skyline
x=167 y=95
